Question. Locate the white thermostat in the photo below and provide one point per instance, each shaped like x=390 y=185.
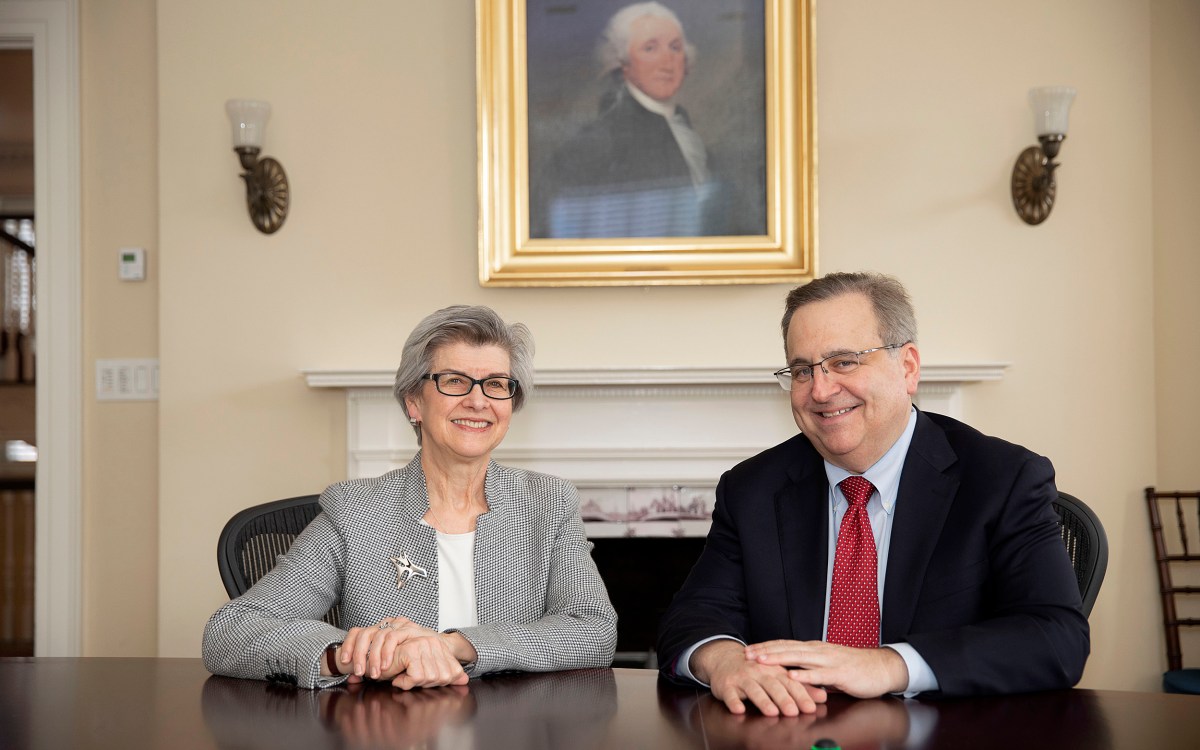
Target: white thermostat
x=133 y=263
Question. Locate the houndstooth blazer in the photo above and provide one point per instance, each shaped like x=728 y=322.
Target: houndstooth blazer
x=541 y=603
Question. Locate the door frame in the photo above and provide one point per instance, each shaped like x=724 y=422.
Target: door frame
x=51 y=29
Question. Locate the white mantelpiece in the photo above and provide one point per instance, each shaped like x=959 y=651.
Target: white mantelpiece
x=633 y=427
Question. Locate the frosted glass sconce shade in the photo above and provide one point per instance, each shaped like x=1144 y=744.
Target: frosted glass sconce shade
x=1051 y=106
x=249 y=120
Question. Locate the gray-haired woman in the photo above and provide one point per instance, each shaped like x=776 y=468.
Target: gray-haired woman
x=448 y=568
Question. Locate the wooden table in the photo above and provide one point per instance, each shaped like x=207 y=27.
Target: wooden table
x=175 y=703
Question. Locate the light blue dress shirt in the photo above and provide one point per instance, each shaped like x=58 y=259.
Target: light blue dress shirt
x=885 y=476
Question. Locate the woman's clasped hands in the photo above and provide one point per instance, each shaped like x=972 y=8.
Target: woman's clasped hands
x=406 y=653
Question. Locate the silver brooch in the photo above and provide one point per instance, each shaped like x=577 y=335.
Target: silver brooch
x=406 y=569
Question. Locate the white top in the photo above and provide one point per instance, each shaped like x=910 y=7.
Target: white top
x=456 y=581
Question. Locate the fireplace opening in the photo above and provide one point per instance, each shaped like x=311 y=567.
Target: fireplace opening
x=642 y=574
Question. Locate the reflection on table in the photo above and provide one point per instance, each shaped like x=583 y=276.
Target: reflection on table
x=176 y=704
x=560 y=709
x=887 y=722
x=1061 y=719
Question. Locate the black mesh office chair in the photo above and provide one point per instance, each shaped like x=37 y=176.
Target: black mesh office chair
x=1087 y=544
x=254 y=539
x=1173 y=548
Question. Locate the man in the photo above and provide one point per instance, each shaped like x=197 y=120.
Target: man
x=638 y=169
x=945 y=573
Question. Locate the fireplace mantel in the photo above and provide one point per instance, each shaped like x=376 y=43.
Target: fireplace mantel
x=626 y=427
x=635 y=441
x=953 y=375
x=645 y=447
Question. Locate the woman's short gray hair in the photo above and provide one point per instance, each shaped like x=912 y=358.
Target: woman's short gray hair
x=613 y=48
x=468 y=324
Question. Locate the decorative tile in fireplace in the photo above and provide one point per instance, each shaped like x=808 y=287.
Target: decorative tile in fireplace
x=672 y=511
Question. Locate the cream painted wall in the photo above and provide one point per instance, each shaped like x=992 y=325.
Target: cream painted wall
x=374 y=121
x=120 y=319
x=1175 y=67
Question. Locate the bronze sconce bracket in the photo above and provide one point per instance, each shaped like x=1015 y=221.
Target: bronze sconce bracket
x=1033 y=186
x=267 y=192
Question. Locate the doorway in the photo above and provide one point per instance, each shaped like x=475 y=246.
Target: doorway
x=18 y=325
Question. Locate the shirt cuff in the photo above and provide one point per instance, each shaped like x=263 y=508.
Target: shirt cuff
x=682 y=664
x=921 y=678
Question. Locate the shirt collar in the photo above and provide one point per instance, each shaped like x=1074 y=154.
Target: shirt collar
x=884 y=473
x=666 y=109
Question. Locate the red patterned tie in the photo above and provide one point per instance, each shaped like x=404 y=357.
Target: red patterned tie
x=854 y=598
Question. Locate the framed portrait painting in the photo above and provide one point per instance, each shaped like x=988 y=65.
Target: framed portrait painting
x=639 y=143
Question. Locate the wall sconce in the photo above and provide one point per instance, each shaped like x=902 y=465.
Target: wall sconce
x=1033 y=184
x=267 y=194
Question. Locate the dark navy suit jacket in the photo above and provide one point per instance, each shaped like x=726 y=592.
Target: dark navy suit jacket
x=627 y=144
x=978 y=579
x=624 y=175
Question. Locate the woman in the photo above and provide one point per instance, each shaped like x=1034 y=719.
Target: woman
x=448 y=568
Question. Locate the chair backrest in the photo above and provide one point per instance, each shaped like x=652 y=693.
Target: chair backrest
x=1086 y=543
x=252 y=541
x=1178 y=542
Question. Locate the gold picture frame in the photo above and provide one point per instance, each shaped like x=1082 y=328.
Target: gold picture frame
x=781 y=251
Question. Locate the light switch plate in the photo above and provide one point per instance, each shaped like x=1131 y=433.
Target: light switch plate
x=126 y=379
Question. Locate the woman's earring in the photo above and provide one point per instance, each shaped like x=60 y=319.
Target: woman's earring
x=413 y=421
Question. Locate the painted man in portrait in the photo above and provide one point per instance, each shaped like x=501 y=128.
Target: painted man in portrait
x=639 y=168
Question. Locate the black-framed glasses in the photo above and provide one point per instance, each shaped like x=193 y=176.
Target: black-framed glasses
x=458 y=384
x=837 y=364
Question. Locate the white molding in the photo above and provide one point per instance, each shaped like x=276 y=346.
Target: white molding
x=51 y=27
x=669 y=376
x=349 y=378
x=963 y=373
x=633 y=376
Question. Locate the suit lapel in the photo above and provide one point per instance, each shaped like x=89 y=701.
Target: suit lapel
x=927 y=490
x=490 y=599
x=802 y=514
x=417 y=599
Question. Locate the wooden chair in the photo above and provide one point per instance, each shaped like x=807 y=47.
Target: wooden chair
x=254 y=539
x=1176 y=546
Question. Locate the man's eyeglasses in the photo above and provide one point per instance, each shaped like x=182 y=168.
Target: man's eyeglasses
x=838 y=364
x=457 y=384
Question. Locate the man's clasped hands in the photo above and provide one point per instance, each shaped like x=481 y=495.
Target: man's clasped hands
x=791 y=677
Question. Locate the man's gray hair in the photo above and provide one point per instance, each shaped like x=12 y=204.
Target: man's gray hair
x=475 y=325
x=893 y=307
x=613 y=49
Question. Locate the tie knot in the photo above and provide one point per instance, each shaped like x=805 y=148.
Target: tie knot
x=856 y=489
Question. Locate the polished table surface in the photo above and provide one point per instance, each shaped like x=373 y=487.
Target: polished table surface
x=175 y=703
